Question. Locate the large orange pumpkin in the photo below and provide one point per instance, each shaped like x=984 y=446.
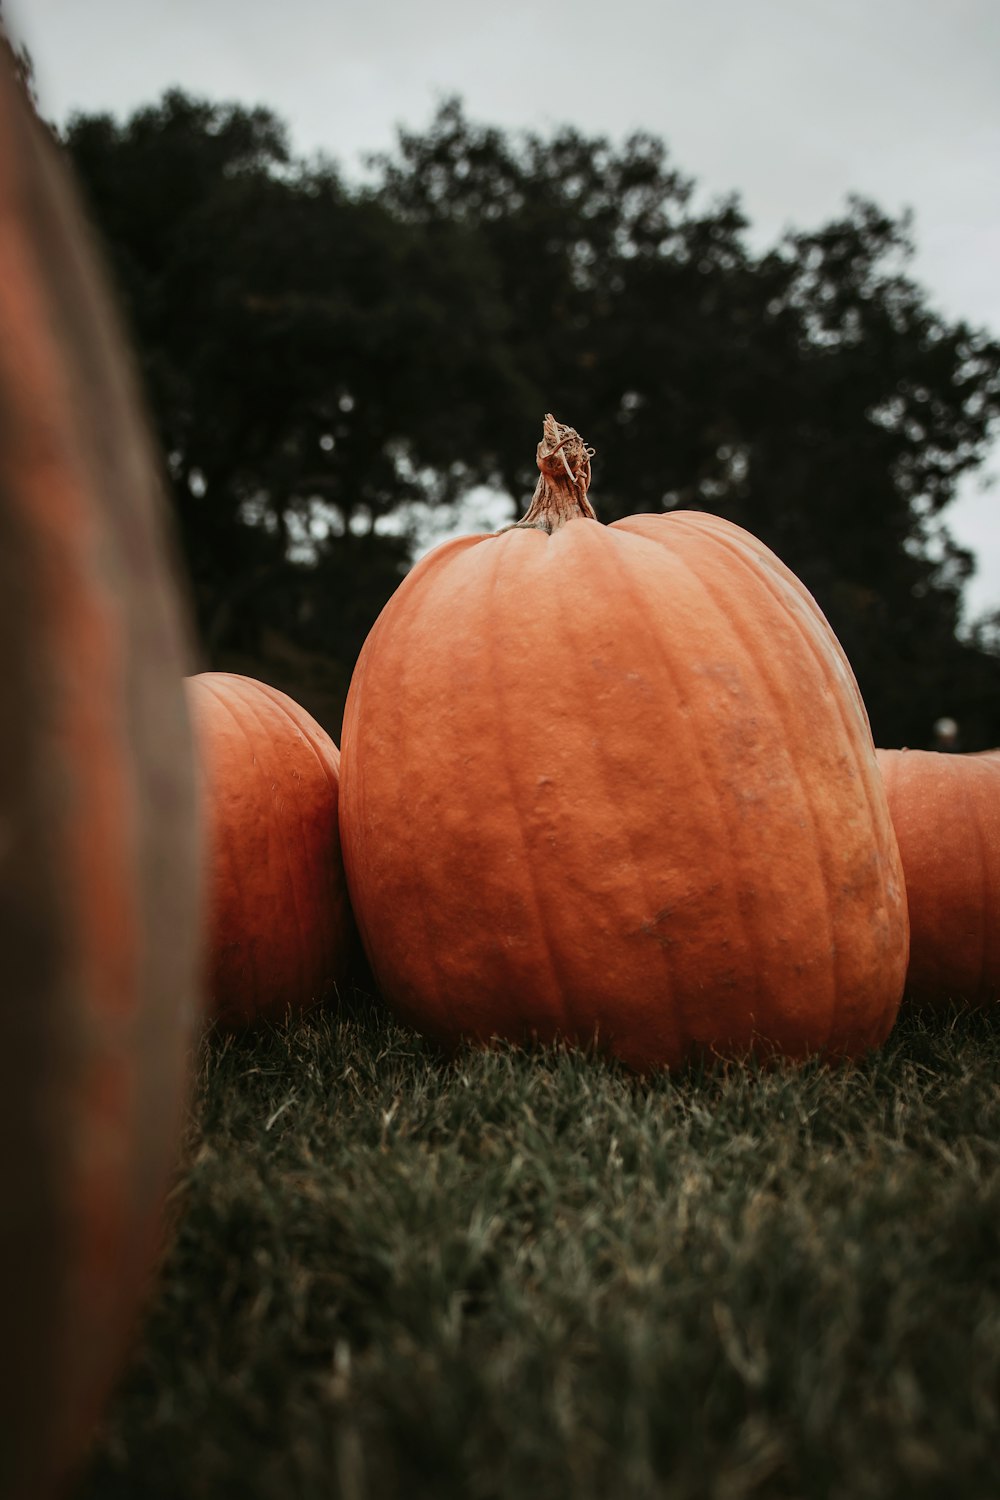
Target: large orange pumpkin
x=618 y=781
x=280 y=927
x=946 y=812
x=99 y=890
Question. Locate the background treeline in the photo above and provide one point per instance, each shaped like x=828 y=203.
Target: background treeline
x=334 y=367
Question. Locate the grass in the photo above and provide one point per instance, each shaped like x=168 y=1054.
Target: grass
x=536 y=1276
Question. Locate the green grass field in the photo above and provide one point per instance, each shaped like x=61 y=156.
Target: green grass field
x=536 y=1276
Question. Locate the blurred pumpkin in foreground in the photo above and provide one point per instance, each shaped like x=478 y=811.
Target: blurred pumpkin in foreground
x=99 y=872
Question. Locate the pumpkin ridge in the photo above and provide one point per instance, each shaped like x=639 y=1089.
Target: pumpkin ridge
x=301 y=947
x=327 y=757
x=276 y=697
x=235 y=864
x=348 y=736
x=399 y=699
x=503 y=739
x=613 y=563
x=933 y=798
x=758 y=664
x=565 y=580
x=804 y=623
x=984 y=871
x=992 y=930
x=379 y=656
x=748 y=546
x=726 y=823
x=283 y=705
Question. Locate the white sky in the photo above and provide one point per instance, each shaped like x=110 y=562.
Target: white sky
x=791 y=103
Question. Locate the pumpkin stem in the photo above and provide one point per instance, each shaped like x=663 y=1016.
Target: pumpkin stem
x=564 y=478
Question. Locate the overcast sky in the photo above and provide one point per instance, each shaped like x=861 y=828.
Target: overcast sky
x=791 y=103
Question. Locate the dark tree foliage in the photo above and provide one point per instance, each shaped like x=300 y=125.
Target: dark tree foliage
x=299 y=345
x=320 y=356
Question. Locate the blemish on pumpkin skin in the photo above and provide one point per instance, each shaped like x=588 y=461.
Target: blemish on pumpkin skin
x=652 y=923
x=672 y=923
x=657 y=926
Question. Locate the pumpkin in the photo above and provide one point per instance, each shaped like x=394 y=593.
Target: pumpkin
x=279 y=934
x=617 y=782
x=99 y=855
x=946 y=812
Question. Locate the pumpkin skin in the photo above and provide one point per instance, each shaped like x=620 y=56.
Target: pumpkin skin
x=618 y=782
x=99 y=849
x=946 y=812
x=280 y=925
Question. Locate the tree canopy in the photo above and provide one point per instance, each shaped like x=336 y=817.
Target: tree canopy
x=328 y=362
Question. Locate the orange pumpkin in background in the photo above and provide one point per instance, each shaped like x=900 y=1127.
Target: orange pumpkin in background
x=619 y=782
x=946 y=812
x=279 y=923
x=99 y=867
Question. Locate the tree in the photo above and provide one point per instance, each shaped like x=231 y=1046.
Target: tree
x=809 y=394
x=299 y=346
x=321 y=356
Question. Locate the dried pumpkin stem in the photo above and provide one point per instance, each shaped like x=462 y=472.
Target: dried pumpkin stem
x=563 y=481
